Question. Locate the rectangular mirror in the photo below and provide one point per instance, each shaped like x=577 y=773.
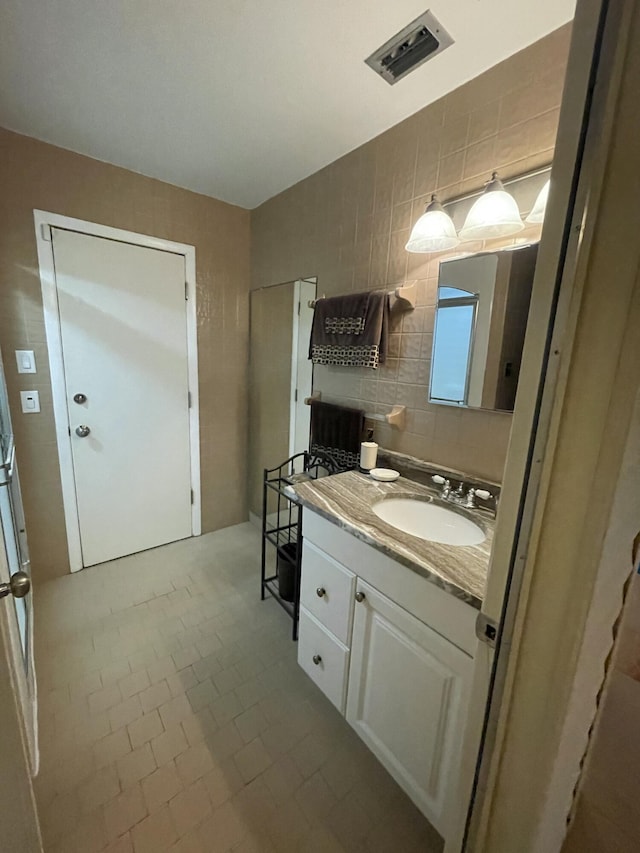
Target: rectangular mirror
x=480 y=324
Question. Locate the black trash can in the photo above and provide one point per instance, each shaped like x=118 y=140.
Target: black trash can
x=287 y=562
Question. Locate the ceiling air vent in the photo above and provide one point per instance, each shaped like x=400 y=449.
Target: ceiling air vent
x=419 y=41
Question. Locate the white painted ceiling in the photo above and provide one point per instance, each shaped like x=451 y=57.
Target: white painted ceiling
x=236 y=99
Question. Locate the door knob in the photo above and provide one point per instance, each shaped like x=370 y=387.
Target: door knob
x=321 y=592
x=18 y=586
x=82 y=431
x=79 y=398
x=317 y=660
x=360 y=596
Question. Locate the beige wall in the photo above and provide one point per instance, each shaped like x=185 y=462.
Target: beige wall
x=348 y=225
x=36 y=175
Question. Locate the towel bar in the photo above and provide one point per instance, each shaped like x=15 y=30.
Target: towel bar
x=405 y=294
x=397 y=417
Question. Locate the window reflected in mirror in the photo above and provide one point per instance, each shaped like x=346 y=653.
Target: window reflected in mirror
x=453 y=342
x=480 y=324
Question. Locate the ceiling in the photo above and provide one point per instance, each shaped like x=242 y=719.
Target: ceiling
x=236 y=99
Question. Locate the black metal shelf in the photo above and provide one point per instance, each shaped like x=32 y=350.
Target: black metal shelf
x=282 y=526
x=280 y=536
x=271 y=585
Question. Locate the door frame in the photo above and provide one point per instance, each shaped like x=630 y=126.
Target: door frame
x=558 y=623
x=294 y=402
x=44 y=222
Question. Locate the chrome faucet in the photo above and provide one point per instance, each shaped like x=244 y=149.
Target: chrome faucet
x=446 y=486
x=462 y=496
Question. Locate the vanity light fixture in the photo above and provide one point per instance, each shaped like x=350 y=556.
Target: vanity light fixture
x=538 y=210
x=434 y=231
x=491 y=213
x=494 y=214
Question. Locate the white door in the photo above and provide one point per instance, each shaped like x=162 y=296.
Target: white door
x=19 y=832
x=18 y=727
x=17 y=612
x=15 y=559
x=407 y=699
x=123 y=329
x=301 y=366
x=13 y=539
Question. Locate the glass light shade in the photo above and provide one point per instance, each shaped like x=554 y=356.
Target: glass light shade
x=434 y=231
x=538 y=210
x=494 y=214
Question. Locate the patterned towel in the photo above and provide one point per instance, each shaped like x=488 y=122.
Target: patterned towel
x=337 y=430
x=351 y=330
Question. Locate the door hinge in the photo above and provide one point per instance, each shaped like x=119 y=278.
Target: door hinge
x=186 y=290
x=487 y=629
x=191 y=495
x=295 y=396
x=45 y=230
x=69 y=430
x=189 y=399
x=299 y=303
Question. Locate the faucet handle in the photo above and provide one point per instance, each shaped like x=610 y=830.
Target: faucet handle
x=445 y=491
x=483 y=494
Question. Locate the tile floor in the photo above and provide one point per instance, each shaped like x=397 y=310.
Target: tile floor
x=173 y=716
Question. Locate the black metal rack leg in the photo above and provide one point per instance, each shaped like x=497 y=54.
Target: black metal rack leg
x=263 y=563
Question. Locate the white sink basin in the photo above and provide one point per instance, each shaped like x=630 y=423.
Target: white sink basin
x=429 y=521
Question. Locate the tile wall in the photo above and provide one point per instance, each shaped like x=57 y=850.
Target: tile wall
x=36 y=175
x=348 y=224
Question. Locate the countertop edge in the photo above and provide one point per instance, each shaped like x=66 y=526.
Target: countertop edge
x=432 y=576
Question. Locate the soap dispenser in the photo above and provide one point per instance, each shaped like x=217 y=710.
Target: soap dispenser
x=368 y=453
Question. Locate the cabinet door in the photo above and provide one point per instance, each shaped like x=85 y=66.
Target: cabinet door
x=407 y=698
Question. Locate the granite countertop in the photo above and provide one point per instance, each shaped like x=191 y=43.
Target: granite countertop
x=346 y=500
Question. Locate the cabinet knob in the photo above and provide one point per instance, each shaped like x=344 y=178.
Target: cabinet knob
x=321 y=592
x=317 y=660
x=360 y=596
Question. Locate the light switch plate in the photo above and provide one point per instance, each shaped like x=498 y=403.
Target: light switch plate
x=26 y=361
x=30 y=402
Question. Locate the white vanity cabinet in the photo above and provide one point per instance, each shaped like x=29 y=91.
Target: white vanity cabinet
x=393 y=653
x=407 y=697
